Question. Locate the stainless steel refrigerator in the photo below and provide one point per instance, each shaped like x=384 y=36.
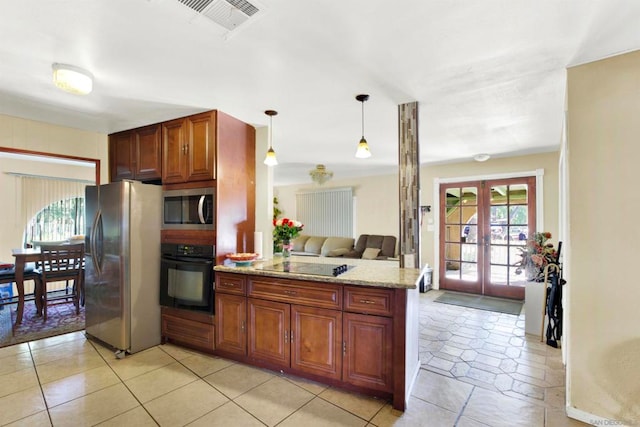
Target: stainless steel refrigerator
x=122 y=275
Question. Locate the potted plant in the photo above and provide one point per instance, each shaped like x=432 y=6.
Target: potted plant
x=535 y=256
x=284 y=231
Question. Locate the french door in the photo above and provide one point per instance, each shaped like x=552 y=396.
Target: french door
x=483 y=225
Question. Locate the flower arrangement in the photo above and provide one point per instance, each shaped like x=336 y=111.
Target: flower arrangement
x=286 y=229
x=536 y=255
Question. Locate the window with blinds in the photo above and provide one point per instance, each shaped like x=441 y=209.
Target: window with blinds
x=326 y=212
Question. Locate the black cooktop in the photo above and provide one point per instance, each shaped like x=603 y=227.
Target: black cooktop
x=310 y=268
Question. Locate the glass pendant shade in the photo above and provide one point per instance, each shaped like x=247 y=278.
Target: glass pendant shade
x=363 y=149
x=270 y=158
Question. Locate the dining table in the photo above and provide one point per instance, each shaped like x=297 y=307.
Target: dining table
x=22 y=256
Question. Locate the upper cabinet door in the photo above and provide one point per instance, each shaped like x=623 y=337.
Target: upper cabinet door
x=189 y=147
x=201 y=147
x=121 y=156
x=174 y=152
x=148 y=152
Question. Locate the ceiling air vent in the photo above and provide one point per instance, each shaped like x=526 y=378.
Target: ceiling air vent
x=229 y=14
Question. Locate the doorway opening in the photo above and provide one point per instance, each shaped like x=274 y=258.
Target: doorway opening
x=483 y=226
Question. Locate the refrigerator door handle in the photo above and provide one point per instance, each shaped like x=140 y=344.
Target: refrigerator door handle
x=201 y=209
x=96 y=243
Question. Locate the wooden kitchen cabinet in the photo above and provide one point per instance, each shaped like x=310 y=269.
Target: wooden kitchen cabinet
x=316 y=341
x=136 y=154
x=231 y=323
x=335 y=333
x=269 y=329
x=368 y=351
x=306 y=339
x=192 y=328
x=189 y=147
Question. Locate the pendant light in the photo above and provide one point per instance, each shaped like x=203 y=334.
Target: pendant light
x=270 y=158
x=363 y=148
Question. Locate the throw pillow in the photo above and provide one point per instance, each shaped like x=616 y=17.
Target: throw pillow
x=338 y=252
x=370 y=253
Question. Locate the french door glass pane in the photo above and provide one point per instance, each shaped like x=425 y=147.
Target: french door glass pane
x=470 y=196
x=499 y=274
x=469 y=271
x=519 y=194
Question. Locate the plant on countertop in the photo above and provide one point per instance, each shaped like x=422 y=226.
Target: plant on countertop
x=536 y=255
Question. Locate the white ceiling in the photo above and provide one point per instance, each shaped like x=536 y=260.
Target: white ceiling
x=489 y=75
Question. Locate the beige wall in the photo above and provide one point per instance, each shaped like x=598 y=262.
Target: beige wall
x=376 y=206
x=548 y=162
x=42 y=137
x=603 y=152
x=377 y=196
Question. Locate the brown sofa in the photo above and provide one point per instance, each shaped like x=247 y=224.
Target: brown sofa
x=373 y=246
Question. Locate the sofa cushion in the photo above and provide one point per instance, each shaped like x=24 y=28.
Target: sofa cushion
x=333 y=243
x=314 y=244
x=338 y=252
x=370 y=253
x=361 y=244
x=299 y=242
x=388 y=248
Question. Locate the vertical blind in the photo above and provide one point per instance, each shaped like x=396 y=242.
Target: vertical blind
x=52 y=209
x=327 y=212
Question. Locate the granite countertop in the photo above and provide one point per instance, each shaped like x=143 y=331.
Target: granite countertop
x=384 y=274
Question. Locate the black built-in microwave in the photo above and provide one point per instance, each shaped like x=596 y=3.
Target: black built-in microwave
x=189 y=209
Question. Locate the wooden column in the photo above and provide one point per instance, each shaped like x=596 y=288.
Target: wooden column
x=409 y=182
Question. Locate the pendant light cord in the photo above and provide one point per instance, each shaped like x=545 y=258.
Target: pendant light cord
x=362 y=119
x=270 y=134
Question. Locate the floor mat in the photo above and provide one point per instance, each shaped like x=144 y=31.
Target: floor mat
x=61 y=318
x=481 y=302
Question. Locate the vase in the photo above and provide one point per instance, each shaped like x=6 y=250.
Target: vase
x=286 y=249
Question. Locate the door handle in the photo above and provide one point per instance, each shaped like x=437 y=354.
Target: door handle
x=201 y=209
x=96 y=247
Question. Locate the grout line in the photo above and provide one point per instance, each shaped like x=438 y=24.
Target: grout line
x=455 y=423
x=33 y=362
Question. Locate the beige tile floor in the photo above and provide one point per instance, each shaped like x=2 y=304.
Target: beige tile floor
x=70 y=381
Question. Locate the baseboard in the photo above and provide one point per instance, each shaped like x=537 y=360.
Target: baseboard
x=591 y=419
x=409 y=390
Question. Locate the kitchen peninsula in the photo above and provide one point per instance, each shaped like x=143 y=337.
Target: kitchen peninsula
x=355 y=328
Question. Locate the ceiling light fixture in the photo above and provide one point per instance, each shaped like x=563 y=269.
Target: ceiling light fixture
x=363 y=148
x=320 y=174
x=481 y=157
x=72 y=79
x=270 y=158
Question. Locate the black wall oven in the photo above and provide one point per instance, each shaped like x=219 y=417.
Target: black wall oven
x=186 y=277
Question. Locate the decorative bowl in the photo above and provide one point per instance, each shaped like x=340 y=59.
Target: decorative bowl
x=242 y=259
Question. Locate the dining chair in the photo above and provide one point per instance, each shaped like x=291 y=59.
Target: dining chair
x=60 y=263
x=8 y=275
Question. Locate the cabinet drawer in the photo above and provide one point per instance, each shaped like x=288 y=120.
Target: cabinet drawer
x=324 y=296
x=231 y=284
x=368 y=300
x=193 y=333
